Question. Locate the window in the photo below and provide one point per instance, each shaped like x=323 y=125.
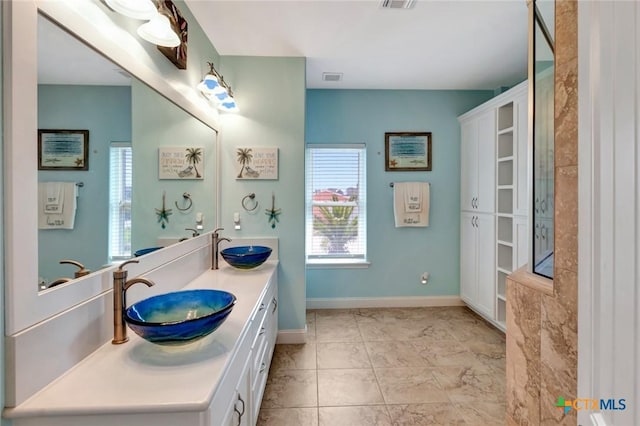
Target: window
x=336 y=218
x=119 y=200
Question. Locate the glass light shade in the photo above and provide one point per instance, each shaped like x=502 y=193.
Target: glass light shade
x=159 y=32
x=136 y=9
x=221 y=97
x=228 y=105
x=210 y=86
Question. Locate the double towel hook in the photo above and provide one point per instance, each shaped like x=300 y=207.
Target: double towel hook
x=251 y=197
x=187 y=197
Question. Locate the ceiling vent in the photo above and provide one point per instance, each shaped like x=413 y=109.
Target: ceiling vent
x=332 y=76
x=397 y=4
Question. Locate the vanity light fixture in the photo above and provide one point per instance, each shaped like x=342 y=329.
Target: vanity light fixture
x=157 y=30
x=219 y=93
x=136 y=9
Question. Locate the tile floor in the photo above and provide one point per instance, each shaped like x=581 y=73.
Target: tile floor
x=401 y=366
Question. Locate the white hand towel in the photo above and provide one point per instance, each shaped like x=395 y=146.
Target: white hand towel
x=64 y=219
x=54 y=200
x=413 y=197
x=403 y=218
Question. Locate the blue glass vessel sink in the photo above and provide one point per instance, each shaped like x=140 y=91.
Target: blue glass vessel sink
x=144 y=251
x=180 y=317
x=246 y=257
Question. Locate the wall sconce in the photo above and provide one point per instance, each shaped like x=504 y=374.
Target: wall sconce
x=157 y=31
x=214 y=88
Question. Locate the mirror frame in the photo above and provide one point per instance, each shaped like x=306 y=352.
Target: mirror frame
x=88 y=20
x=534 y=17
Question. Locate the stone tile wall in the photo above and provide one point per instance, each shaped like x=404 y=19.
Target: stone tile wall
x=542 y=315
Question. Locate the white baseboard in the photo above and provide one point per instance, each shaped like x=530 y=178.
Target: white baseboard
x=383 y=302
x=292 y=337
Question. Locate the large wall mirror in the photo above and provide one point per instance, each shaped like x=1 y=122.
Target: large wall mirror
x=542 y=81
x=126 y=122
x=145 y=102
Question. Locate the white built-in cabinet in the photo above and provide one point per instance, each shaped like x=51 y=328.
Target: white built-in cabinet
x=494 y=200
x=476 y=261
x=477 y=159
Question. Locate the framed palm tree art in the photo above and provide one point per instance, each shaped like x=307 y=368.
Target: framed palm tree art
x=181 y=163
x=257 y=163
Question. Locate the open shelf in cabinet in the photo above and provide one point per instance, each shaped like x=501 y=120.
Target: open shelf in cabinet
x=505 y=145
x=505 y=200
x=501 y=312
x=502 y=285
x=505 y=257
x=505 y=172
x=505 y=116
x=505 y=229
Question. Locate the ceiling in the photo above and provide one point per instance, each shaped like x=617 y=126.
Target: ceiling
x=445 y=44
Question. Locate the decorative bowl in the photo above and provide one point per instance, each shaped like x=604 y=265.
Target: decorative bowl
x=144 y=251
x=179 y=317
x=246 y=257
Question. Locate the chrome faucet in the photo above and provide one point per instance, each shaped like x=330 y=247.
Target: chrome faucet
x=120 y=287
x=215 y=249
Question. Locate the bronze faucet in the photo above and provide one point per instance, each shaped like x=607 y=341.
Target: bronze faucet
x=81 y=272
x=120 y=287
x=215 y=242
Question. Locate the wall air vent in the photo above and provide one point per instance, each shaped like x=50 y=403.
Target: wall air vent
x=332 y=76
x=397 y=4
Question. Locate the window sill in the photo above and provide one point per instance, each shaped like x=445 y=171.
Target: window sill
x=338 y=264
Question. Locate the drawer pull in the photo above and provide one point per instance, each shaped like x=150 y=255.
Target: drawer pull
x=261 y=307
x=240 y=413
x=262 y=330
x=263 y=367
x=275 y=304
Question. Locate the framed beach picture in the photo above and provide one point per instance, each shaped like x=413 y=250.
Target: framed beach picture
x=407 y=151
x=180 y=163
x=257 y=163
x=63 y=149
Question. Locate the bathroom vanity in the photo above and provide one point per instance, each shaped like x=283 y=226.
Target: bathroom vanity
x=218 y=380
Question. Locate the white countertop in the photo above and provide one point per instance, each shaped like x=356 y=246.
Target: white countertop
x=140 y=377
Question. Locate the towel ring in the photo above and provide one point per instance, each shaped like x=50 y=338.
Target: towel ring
x=252 y=197
x=186 y=196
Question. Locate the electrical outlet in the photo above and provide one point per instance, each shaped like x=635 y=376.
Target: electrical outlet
x=424 y=279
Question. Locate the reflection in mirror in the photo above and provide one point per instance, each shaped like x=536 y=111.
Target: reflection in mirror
x=543 y=148
x=113 y=209
x=78 y=89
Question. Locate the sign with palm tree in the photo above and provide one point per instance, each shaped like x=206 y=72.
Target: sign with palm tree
x=257 y=163
x=180 y=163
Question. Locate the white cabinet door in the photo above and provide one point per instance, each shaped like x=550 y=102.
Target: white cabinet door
x=486 y=237
x=468 y=164
x=239 y=412
x=486 y=162
x=521 y=175
x=468 y=244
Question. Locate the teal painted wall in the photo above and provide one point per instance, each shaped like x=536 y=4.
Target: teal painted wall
x=271 y=96
x=106 y=112
x=159 y=123
x=398 y=256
